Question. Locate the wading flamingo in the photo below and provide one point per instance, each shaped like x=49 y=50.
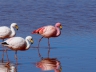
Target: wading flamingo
x=49 y=31
x=18 y=43
x=6 y=32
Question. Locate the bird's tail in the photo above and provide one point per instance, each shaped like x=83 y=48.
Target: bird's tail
x=36 y=31
x=4 y=43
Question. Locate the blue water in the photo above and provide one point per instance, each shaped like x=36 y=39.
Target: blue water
x=75 y=48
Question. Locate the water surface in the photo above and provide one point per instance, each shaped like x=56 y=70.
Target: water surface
x=75 y=48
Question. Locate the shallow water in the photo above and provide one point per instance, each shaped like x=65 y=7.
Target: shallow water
x=75 y=48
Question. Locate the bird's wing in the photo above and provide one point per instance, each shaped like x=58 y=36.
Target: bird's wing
x=15 y=42
x=39 y=30
x=4 y=31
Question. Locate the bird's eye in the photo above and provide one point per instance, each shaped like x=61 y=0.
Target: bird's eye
x=31 y=39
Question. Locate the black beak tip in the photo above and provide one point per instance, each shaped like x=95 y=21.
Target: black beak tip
x=31 y=43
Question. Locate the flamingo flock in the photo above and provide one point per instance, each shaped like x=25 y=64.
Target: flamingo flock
x=16 y=43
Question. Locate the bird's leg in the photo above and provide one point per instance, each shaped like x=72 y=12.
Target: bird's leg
x=3 y=51
x=49 y=47
x=39 y=52
x=7 y=55
x=39 y=41
x=2 y=40
x=16 y=57
x=2 y=55
x=48 y=43
x=16 y=67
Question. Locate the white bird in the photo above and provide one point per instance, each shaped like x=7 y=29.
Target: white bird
x=18 y=43
x=6 y=32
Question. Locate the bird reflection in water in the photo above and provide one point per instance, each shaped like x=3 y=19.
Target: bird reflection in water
x=47 y=64
x=8 y=67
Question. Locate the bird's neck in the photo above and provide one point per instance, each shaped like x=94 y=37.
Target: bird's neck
x=28 y=44
x=57 y=70
x=58 y=31
x=12 y=32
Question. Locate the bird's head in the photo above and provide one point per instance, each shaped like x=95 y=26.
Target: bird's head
x=30 y=39
x=58 y=25
x=14 y=25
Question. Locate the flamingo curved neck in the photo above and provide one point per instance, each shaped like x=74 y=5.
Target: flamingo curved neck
x=28 y=44
x=58 y=31
x=57 y=70
x=12 y=32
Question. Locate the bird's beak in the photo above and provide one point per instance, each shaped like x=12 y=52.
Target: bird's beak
x=16 y=27
x=31 y=41
x=61 y=27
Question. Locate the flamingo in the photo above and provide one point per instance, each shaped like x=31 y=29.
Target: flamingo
x=48 y=32
x=6 y=32
x=18 y=43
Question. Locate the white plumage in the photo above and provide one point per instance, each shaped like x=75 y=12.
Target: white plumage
x=6 y=32
x=18 y=43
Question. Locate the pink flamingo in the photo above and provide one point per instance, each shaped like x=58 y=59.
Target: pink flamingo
x=48 y=31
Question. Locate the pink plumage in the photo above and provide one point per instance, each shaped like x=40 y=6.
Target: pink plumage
x=49 y=31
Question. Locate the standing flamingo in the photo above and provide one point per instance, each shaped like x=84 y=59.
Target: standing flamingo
x=18 y=43
x=48 y=32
